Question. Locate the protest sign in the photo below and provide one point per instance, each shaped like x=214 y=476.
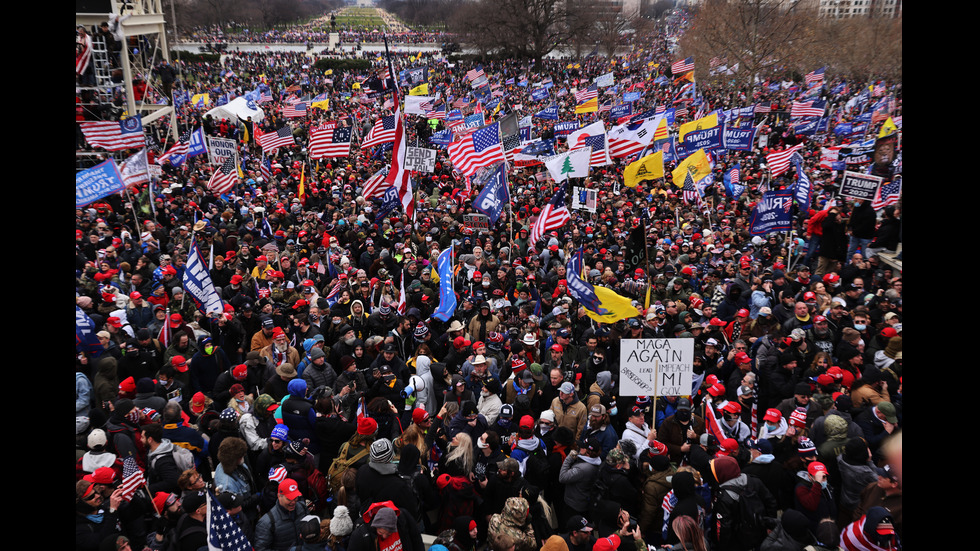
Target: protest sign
x=656 y=367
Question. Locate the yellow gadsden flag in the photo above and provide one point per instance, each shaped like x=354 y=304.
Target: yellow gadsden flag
x=697 y=164
x=420 y=90
x=650 y=167
x=704 y=123
x=888 y=128
x=612 y=307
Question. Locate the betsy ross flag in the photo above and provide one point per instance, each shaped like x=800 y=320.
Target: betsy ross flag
x=888 y=193
x=813 y=108
x=329 y=141
x=223 y=532
x=225 y=177
x=114 y=135
x=779 y=161
x=270 y=141
x=554 y=215
x=132 y=478
x=383 y=131
x=481 y=148
x=816 y=77
x=682 y=66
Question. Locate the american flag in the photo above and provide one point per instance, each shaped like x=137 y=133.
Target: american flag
x=383 y=131
x=512 y=146
x=436 y=112
x=225 y=177
x=780 y=160
x=814 y=77
x=589 y=93
x=398 y=175
x=475 y=74
x=553 y=216
x=596 y=144
x=402 y=306
x=691 y=195
x=265 y=94
x=682 y=66
x=605 y=107
x=888 y=193
x=763 y=108
x=266 y=168
x=733 y=175
x=481 y=148
x=375 y=186
x=114 y=135
x=223 y=532
x=270 y=141
x=132 y=478
x=813 y=108
x=295 y=110
x=178 y=150
x=329 y=141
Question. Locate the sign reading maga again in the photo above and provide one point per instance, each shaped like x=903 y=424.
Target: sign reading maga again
x=656 y=367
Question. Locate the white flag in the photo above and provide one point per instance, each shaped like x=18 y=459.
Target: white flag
x=579 y=162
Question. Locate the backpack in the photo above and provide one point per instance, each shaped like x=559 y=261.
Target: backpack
x=183 y=457
x=340 y=465
x=171 y=541
x=598 y=493
x=319 y=488
x=748 y=526
x=537 y=470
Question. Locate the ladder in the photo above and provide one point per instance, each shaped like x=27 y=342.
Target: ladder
x=103 y=68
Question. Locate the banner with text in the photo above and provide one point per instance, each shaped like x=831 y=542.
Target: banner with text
x=656 y=367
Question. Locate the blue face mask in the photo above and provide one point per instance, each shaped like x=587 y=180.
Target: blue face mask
x=771 y=427
x=95 y=517
x=823 y=485
x=860 y=327
x=613 y=411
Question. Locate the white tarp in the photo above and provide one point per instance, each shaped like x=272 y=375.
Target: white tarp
x=239 y=109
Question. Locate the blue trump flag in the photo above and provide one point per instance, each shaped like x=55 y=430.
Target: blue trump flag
x=97 y=182
x=773 y=213
x=447 y=297
x=494 y=195
x=803 y=185
x=197 y=283
x=197 y=145
x=731 y=181
x=86 y=339
x=549 y=113
x=539 y=94
x=388 y=203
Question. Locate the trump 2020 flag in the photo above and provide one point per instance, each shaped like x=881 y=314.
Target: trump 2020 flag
x=447 y=297
x=773 y=213
x=197 y=283
x=97 y=182
x=86 y=339
x=494 y=195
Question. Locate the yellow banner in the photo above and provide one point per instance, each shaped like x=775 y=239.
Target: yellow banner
x=697 y=164
x=650 y=167
x=705 y=123
x=590 y=106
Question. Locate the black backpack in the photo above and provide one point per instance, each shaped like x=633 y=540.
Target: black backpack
x=748 y=526
x=537 y=470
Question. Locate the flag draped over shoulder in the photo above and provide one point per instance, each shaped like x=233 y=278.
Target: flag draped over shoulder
x=601 y=304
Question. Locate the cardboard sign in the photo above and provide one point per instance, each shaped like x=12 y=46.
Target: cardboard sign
x=859 y=186
x=220 y=150
x=584 y=199
x=420 y=159
x=479 y=221
x=656 y=367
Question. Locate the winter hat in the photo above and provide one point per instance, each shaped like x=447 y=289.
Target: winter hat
x=796 y=525
x=798 y=418
x=806 y=448
x=366 y=426
x=835 y=427
x=382 y=451
x=145 y=385
x=297 y=387
x=725 y=468
x=341 y=524
x=855 y=450
x=295 y=450
x=385 y=518
x=229 y=415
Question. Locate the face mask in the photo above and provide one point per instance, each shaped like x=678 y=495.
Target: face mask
x=337 y=322
x=486 y=283
x=545 y=429
x=96 y=518
x=481 y=444
x=428 y=238
x=683 y=416
x=613 y=411
x=314 y=317
x=209 y=349
x=770 y=427
x=860 y=327
x=823 y=485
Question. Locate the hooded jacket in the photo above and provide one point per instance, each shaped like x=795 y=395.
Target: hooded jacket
x=514 y=521
x=732 y=486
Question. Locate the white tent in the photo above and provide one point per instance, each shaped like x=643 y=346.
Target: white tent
x=238 y=109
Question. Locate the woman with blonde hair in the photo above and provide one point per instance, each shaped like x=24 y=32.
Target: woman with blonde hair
x=691 y=535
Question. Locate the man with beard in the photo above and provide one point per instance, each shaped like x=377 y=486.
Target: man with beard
x=280 y=351
x=821 y=335
x=346 y=337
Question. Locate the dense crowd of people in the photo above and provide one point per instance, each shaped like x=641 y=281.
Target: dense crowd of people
x=326 y=408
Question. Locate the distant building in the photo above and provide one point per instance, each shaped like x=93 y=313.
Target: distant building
x=846 y=9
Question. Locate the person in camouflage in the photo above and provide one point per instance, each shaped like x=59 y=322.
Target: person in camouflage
x=515 y=522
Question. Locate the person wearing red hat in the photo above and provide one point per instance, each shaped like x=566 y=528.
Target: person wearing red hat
x=262 y=270
x=812 y=495
x=279 y=528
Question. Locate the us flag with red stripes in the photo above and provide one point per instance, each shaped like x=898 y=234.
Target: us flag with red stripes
x=481 y=148
x=780 y=160
x=270 y=141
x=682 y=66
x=225 y=177
x=383 y=131
x=591 y=92
x=132 y=478
x=553 y=216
